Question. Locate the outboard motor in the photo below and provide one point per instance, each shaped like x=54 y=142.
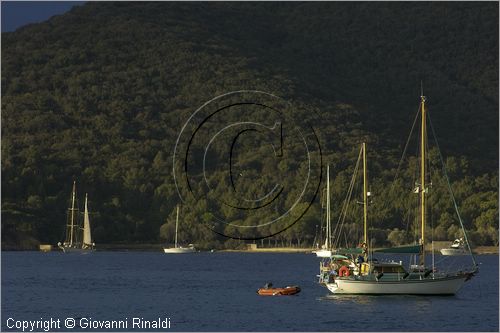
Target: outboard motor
x=379 y=276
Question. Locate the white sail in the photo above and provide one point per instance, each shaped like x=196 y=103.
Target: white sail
x=87 y=238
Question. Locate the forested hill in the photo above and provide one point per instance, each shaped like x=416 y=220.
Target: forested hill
x=99 y=95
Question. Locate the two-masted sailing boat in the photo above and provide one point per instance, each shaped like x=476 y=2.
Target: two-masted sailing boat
x=78 y=236
x=326 y=248
x=366 y=275
x=177 y=248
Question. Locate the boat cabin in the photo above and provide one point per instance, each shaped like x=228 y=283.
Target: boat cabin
x=388 y=270
x=391 y=267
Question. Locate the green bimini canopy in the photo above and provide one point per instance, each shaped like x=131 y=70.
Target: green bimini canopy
x=338 y=256
x=400 y=249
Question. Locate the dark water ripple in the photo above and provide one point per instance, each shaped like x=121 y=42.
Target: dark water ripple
x=217 y=292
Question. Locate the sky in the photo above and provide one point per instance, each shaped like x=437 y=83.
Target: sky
x=15 y=14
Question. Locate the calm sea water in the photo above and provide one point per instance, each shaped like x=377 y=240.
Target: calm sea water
x=217 y=292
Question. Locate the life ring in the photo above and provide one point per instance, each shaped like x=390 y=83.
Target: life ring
x=344 y=271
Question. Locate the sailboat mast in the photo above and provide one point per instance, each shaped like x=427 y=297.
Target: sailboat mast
x=176 y=225
x=365 y=197
x=423 y=135
x=72 y=225
x=328 y=227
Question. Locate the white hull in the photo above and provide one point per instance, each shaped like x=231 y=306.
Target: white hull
x=453 y=252
x=323 y=253
x=179 y=250
x=439 y=286
x=66 y=249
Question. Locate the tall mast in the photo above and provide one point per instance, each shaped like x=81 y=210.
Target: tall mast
x=328 y=227
x=72 y=225
x=423 y=135
x=365 y=197
x=176 y=225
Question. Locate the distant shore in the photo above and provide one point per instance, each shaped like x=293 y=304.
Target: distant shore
x=477 y=250
x=274 y=250
x=158 y=248
x=485 y=250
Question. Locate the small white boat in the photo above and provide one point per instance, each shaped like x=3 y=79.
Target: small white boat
x=325 y=251
x=178 y=249
x=457 y=248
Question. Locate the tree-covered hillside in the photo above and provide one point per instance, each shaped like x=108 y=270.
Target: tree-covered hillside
x=99 y=95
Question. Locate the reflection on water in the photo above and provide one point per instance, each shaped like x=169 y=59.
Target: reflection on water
x=357 y=299
x=414 y=303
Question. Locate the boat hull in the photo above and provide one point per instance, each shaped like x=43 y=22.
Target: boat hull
x=323 y=253
x=453 y=252
x=429 y=286
x=76 y=250
x=174 y=250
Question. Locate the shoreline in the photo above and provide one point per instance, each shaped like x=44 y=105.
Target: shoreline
x=476 y=251
x=272 y=250
x=480 y=250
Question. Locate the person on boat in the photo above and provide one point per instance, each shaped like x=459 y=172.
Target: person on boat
x=332 y=275
x=268 y=285
x=359 y=260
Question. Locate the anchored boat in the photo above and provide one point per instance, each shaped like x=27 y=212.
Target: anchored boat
x=326 y=250
x=344 y=273
x=78 y=235
x=178 y=249
x=457 y=248
x=267 y=290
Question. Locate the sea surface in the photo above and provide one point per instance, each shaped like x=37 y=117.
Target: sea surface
x=217 y=292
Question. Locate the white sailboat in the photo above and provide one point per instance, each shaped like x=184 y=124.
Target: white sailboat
x=366 y=275
x=176 y=248
x=78 y=238
x=326 y=250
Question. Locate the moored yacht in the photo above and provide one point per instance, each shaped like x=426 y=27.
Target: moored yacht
x=363 y=275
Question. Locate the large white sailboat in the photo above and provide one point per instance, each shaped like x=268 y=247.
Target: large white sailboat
x=177 y=248
x=78 y=237
x=366 y=275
